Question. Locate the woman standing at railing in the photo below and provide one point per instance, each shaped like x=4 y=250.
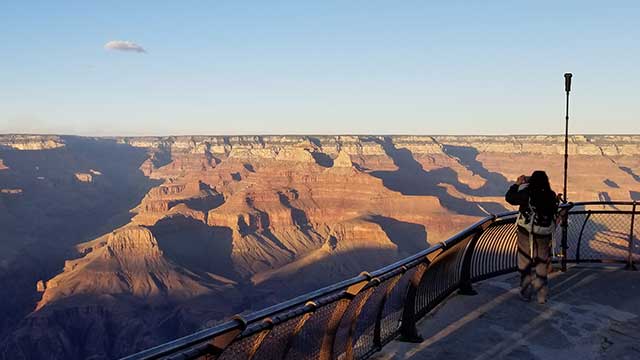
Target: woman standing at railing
x=536 y=223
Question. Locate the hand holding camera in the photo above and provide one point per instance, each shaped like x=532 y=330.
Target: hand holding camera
x=522 y=179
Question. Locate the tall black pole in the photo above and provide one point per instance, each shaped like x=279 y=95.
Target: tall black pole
x=565 y=215
x=567 y=88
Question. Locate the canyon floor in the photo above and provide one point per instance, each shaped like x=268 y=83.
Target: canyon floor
x=112 y=245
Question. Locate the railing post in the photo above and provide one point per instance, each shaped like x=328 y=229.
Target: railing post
x=408 y=329
x=377 y=332
x=349 y=351
x=465 y=270
x=630 y=265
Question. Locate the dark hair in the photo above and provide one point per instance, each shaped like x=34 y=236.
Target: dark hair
x=539 y=181
x=540 y=189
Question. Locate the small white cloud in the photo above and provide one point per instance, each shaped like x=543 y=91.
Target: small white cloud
x=124 y=46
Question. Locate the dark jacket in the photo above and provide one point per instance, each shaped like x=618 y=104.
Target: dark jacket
x=546 y=207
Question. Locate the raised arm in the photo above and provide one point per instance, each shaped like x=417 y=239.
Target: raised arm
x=516 y=197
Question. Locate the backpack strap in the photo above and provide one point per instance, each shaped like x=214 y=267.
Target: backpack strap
x=533 y=224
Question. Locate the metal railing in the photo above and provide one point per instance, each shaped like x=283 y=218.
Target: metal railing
x=355 y=318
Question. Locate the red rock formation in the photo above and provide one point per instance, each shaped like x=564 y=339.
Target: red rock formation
x=164 y=198
x=230 y=217
x=84 y=177
x=31 y=142
x=126 y=261
x=11 y=191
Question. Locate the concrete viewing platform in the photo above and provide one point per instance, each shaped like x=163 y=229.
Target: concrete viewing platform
x=592 y=313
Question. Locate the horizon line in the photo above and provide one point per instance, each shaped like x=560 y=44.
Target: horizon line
x=313 y=134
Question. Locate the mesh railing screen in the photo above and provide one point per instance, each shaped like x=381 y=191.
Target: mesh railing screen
x=277 y=342
x=392 y=311
x=636 y=239
x=346 y=331
x=242 y=348
x=441 y=277
x=605 y=236
x=366 y=322
x=316 y=334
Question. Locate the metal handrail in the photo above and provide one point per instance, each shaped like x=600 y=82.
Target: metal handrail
x=583 y=203
x=217 y=338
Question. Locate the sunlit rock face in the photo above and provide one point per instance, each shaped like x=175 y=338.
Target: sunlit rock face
x=83 y=177
x=31 y=142
x=11 y=191
x=117 y=244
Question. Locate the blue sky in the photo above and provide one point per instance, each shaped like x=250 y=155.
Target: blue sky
x=318 y=67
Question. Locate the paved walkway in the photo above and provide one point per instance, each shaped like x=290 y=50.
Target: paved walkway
x=592 y=313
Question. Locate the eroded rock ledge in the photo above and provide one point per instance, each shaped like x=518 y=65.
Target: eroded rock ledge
x=31 y=142
x=272 y=146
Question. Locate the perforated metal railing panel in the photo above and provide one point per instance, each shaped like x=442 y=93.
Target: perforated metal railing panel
x=602 y=233
x=316 y=334
x=365 y=332
x=346 y=334
x=495 y=251
x=245 y=347
x=392 y=310
x=606 y=236
x=440 y=278
x=636 y=239
x=277 y=342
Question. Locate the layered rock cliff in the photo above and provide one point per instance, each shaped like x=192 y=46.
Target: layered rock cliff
x=31 y=142
x=136 y=240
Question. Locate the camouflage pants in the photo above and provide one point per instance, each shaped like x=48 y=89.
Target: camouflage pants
x=533 y=263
